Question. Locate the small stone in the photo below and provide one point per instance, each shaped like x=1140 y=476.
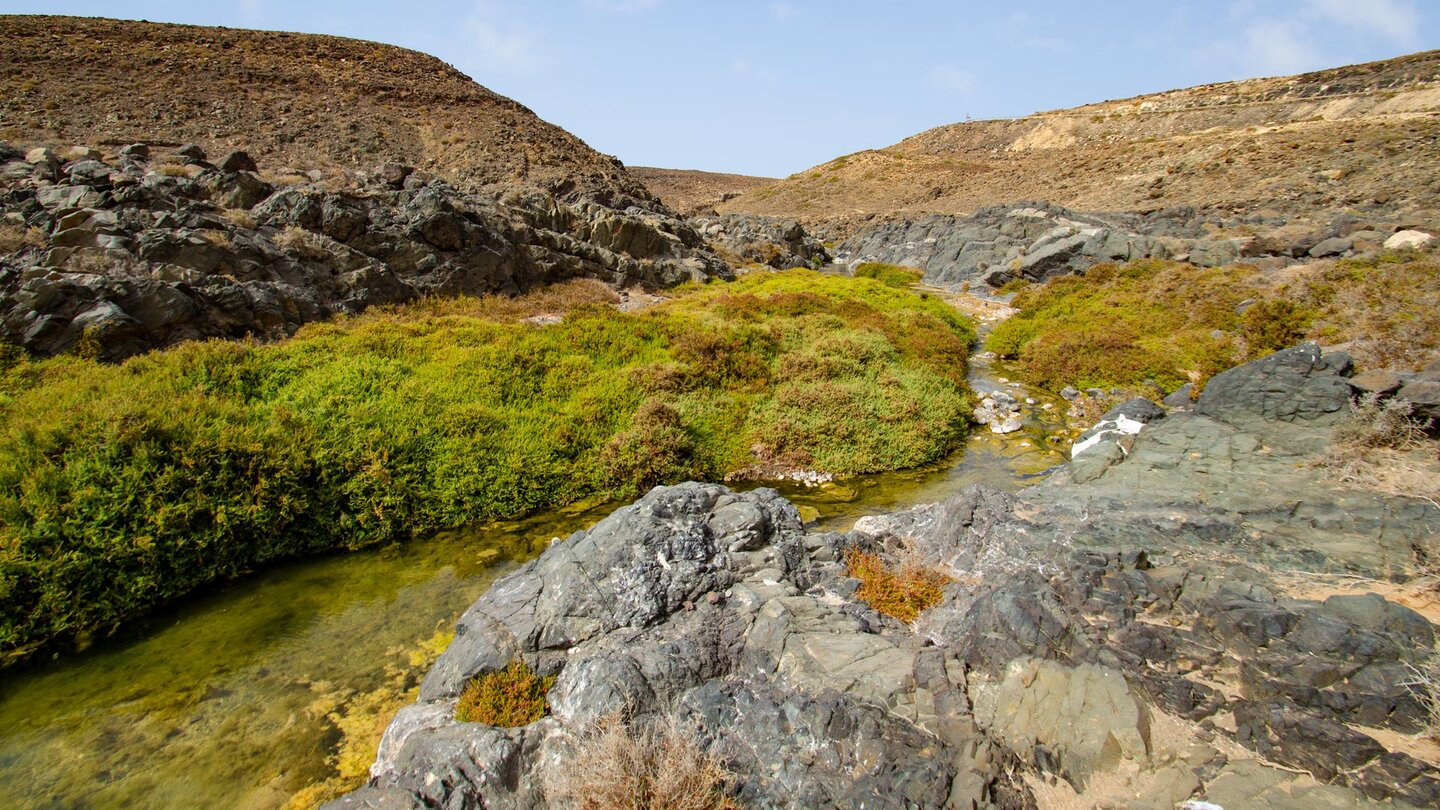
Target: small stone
x=191 y=153
x=1335 y=246
x=1380 y=383
x=40 y=154
x=394 y=174
x=236 y=161
x=135 y=151
x=1401 y=240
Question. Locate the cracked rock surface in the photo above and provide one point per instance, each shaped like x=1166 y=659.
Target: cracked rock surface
x=1136 y=628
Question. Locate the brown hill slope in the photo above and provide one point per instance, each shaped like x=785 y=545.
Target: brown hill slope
x=1355 y=135
x=693 y=192
x=313 y=102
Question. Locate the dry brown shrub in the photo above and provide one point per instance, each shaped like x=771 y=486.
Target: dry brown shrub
x=554 y=299
x=1425 y=681
x=903 y=591
x=305 y=244
x=239 y=218
x=1380 y=424
x=620 y=766
x=15 y=237
x=1384 y=448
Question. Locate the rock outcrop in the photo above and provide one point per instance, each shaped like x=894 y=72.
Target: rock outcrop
x=1037 y=241
x=1080 y=618
x=1034 y=241
x=771 y=241
x=141 y=251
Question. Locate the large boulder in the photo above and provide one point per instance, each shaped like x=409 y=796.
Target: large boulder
x=1081 y=720
x=1298 y=386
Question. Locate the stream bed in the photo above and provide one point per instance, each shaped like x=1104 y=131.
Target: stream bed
x=248 y=694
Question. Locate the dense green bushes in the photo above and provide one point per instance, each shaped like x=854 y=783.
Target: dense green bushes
x=1119 y=325
x=122 y=487
x=892 y=274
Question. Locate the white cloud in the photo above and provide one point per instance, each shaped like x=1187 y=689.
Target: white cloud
x=501 y=43
x=953 y=80
x=1396 y=20
x=1279 y=47
x=622 y=6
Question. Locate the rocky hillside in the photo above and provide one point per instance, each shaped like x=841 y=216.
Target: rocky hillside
x=1193 y=613
x=311 y=103
x=1365 y=136
x=115 y=254
x=695 y=192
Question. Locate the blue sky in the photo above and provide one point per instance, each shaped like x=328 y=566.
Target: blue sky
x=772 y=87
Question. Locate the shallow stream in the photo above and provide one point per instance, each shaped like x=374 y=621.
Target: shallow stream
x=243 y=696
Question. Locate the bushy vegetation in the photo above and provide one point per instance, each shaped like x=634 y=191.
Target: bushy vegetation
x=123 y=487
x=508 y=698
x=1386 y=308
x=893 y=275
x=1119 y=325
x=902 y=591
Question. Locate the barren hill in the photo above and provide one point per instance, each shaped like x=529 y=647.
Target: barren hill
x=312 y=102
x=1352 y=136
x=693 y=192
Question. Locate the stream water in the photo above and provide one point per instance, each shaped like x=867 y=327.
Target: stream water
x=245 y=695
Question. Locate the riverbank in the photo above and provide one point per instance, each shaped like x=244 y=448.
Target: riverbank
x=128 y=486
x=1173 y=617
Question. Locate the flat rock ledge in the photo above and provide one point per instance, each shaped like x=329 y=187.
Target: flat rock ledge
x=1132 y=639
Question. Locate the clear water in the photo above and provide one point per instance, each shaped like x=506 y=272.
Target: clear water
x=238 y=697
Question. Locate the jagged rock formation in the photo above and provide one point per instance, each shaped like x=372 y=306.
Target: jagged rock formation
x=1036 y=241
x=313 y=103
x=1134 y=622
x=776 y=242
x=1238 y=147
x=136 y=251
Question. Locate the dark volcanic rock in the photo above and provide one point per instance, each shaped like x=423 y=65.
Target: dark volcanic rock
x=1078 y=612
x=1297 y=385
x=1025 y=240
x=772 y=241
x=139 y=260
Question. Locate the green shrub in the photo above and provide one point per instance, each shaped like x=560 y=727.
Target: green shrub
x=1119 y=325
x=124 y=487
x=1273 y=324
x=890 y=274
x=508 y=698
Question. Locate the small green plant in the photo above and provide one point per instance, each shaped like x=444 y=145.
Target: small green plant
x=507 y=698
x=1273 y=324
x=891 y=275
x=903 y=591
